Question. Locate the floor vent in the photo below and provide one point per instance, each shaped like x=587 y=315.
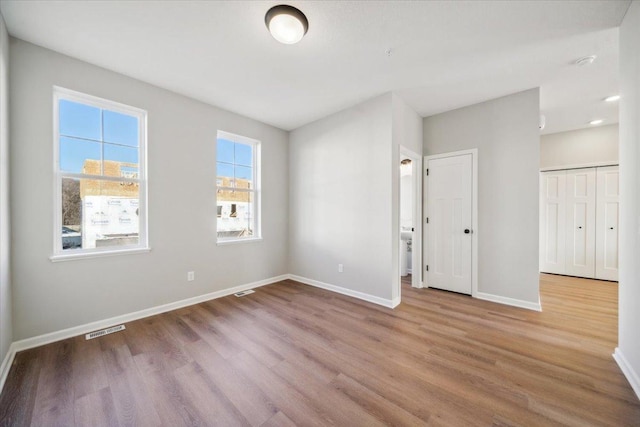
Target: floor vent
x=107 y=331
x=243 y=293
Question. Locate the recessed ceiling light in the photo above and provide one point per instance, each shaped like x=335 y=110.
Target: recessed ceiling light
x=612 y=98
x=286 y=23
x=596 y=122
x=587 y=60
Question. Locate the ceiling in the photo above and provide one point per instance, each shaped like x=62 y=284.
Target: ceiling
x=443 y=54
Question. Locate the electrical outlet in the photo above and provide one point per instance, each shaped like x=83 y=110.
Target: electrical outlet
x=191 y=276
x=340 y=268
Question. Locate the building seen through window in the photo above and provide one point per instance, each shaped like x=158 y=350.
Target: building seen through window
x=99 y=148
x=237 y=195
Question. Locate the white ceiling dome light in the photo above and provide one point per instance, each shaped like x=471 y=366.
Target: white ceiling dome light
x=286 y=23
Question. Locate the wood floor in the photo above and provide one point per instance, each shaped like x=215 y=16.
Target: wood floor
x=292 y=354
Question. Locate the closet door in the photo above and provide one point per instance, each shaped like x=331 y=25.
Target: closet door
x=581 y=222
x=607 y=207
x=552 y=219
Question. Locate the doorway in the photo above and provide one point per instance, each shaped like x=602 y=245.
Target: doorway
x=451 y=231
x=410 y=212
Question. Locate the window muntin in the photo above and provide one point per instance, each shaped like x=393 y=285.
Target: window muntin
x=99 y=149
x=237 y=187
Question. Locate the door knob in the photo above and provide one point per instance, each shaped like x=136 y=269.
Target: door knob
x=610 y=228
x=467 y=231
x=580 y=228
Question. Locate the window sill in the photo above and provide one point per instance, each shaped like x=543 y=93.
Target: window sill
x=100 y=254
x=236 y=241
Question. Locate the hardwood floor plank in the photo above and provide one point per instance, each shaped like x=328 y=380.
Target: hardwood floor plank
x=169 y=401
x=290 y=354
x=200 y=392
x=118 y=360
x=89 y=370
x=386 y=411
x=327 y=399
x=256 y=407
x=150 y=339
x=96 y=409
x=132 y=400
x=54 y=397
x=279 y=420
x=234 y=334
x=19 y=393
x=287 y=399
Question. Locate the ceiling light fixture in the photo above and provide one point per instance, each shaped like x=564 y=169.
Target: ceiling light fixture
x=596 y=122
x=286 y=23
x=612 y=98
x=587 y=60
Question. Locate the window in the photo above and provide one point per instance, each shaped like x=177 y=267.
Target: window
x=99 y=157
x=237 y=188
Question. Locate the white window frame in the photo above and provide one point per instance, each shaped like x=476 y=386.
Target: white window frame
x=257 y=189
x=60 y=93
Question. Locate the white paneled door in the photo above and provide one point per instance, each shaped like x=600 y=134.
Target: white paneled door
x=607 y=206
x=581 y=222
x=449 y=187
x=552 y=221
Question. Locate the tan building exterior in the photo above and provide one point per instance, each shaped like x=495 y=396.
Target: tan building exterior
x=95 y=187
x=233 y=196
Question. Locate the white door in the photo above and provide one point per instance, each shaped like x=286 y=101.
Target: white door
x=552 y=221
x=607 y=206
x=449 y=187
x=581 y=223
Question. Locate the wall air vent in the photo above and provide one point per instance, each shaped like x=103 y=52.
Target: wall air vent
x=102 y=332
x=243 y=293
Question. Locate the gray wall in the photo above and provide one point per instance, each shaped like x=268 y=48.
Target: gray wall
x=407 y=126
x=340 y=211
x=182 y=211
x=629 y=288
x=594 y=145
x=505 y=132
x=6 y=333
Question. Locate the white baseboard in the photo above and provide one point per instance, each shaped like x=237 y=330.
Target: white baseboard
x=395 y=302
x=344 y=291
x=509 y=301
x=628 y=371
x=105 y=323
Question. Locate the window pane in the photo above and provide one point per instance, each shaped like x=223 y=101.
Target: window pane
x=119 y=159
x=79 y=120
x=224 y=170
x=243 y=155
x=71 y=214
x=120 y=128
x=79 y=156
x=225 y=151
x=110 y=213
x=235 y=219
x=243 y=173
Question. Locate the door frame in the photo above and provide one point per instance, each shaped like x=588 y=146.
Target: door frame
x=416 y=243
x=474 y=214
